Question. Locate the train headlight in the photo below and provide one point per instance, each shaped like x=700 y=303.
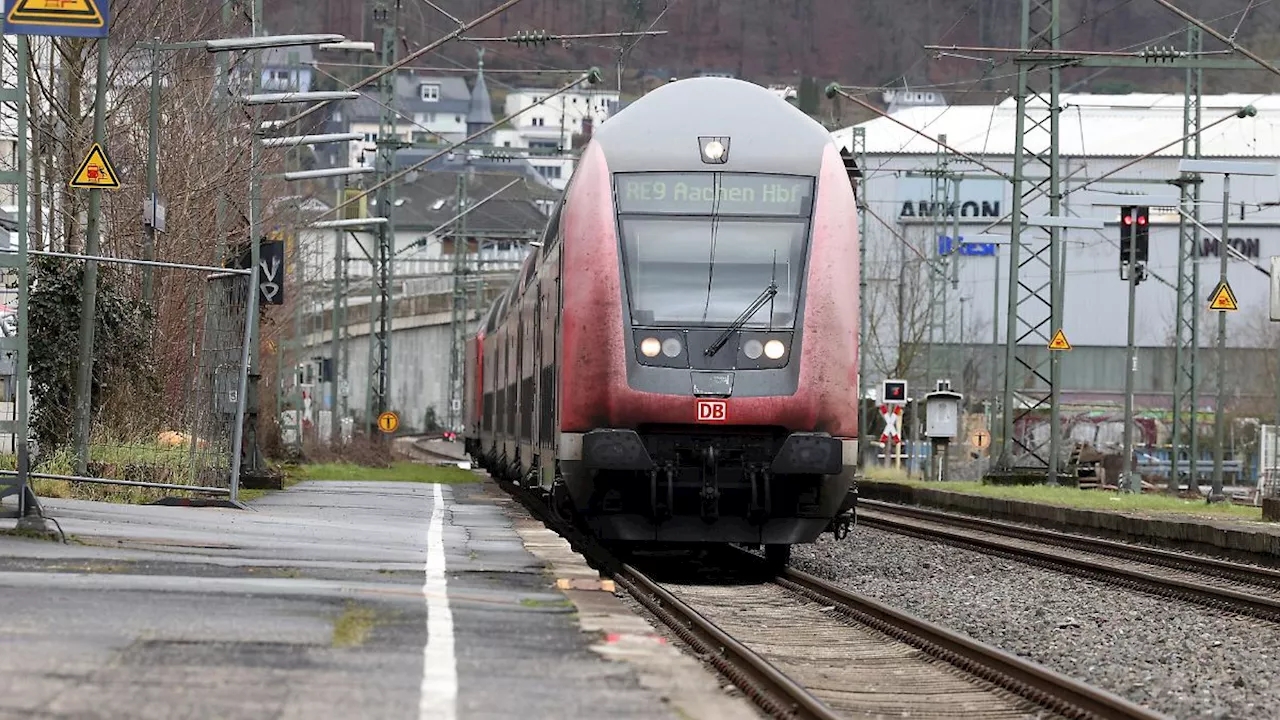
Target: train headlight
x=715 y=150
x=671 y=347
x=774 y=349
x=650 y=347
x=752 y=349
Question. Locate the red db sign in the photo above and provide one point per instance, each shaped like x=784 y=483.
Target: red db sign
x=713 y=410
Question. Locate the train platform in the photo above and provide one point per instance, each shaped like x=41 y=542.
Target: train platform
x=1214 y=534
x=329 y=599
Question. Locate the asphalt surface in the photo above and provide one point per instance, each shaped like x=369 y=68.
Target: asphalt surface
x=312 y=604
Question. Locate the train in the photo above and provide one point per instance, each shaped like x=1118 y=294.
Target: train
x=676 y=362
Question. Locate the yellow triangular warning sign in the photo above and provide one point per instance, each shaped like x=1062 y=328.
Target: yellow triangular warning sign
x=96 y=171
x=1059 y=341
x=1223 y=298
x=72 y=13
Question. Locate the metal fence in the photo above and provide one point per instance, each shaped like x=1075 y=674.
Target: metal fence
x=212 y=407
x=185 y=434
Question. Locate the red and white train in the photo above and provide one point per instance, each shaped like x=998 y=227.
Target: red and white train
x=677 y=361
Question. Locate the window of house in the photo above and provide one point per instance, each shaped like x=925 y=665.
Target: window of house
x=550 y=172
x=430 y=92
x=538 y=122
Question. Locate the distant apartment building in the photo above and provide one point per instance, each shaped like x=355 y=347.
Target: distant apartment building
x=552 y=130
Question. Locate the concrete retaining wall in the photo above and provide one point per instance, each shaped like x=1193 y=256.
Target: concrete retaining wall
x=1257 y=543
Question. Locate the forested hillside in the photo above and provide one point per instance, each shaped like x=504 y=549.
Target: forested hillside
x=862 y=42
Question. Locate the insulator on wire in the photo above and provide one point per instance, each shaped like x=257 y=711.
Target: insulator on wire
x=531 y=37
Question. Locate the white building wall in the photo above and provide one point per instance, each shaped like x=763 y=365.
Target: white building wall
x=565 y=111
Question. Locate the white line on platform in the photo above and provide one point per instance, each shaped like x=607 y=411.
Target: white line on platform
x=439 y=670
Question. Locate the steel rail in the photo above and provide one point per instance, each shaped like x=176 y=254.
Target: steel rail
x=1226 y=569
x=1053 y=690
x=768 y=688
x=781 y=696
x=1217 y=598
x=762 y=682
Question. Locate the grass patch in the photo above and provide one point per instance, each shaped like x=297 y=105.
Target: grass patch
x=28 y=534
x=353 y=626
x=1143 y=503
x=163 y=458
x=397 y=472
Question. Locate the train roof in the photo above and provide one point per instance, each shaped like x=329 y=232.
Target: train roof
x=661 y=130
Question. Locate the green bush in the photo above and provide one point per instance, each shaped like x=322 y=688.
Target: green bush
x=125 y=389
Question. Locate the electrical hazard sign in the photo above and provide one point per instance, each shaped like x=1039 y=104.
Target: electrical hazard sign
x=1223 y=299
x=71 y=18
x=1059 y=341
x=96 y=171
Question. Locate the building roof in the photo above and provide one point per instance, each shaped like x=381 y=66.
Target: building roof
x=431 y=200
x=456 y=161
x=1089 y=126
x=455 y=98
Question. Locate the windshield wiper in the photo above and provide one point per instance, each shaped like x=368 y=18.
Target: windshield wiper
x=752 y=309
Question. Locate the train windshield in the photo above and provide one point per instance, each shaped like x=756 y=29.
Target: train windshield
x=699 y=248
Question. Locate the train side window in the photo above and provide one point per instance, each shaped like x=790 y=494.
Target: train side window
x=551 y=235
x=530 y=265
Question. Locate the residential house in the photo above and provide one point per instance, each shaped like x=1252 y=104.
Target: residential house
x=428 y=110
x=553 y=129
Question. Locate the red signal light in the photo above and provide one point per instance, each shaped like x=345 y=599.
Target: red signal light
x=1128 y=219
x=1142 y=220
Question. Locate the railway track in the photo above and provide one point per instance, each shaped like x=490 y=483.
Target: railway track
x=1218 y=584
x=844 y=655
x=800 y=647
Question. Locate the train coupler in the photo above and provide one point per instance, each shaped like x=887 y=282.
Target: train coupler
x=841 y=525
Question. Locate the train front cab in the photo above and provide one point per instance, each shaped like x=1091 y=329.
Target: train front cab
x=730 y=414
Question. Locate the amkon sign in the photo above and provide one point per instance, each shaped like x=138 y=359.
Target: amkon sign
x=980 y=201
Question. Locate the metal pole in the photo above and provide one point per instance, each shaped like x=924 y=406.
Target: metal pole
x=995 y=358
x=1055 y=266
x=859 y=158
x=255 y=253
x=335 y=354
x=237 y=441
x=1219 y=411
x=1131 y=358
x=381 y=325
x=1015 y=246
x=458 y=322
x=28 y=504
x=1193 y=115
x=89 y=287
x=153 y=161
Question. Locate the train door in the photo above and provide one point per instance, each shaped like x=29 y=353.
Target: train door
x=536 y=375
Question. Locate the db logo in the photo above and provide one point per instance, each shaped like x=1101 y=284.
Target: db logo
x=713 y=410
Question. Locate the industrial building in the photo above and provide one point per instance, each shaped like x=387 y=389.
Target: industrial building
x=1098 y=135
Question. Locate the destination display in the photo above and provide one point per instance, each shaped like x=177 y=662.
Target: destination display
x=721 y=193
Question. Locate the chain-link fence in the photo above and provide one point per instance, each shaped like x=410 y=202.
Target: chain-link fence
x=167 y=385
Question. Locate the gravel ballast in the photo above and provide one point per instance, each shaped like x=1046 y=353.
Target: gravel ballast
x=1179 y=659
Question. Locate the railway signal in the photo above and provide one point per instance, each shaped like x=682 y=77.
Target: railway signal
x=1134 y=234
